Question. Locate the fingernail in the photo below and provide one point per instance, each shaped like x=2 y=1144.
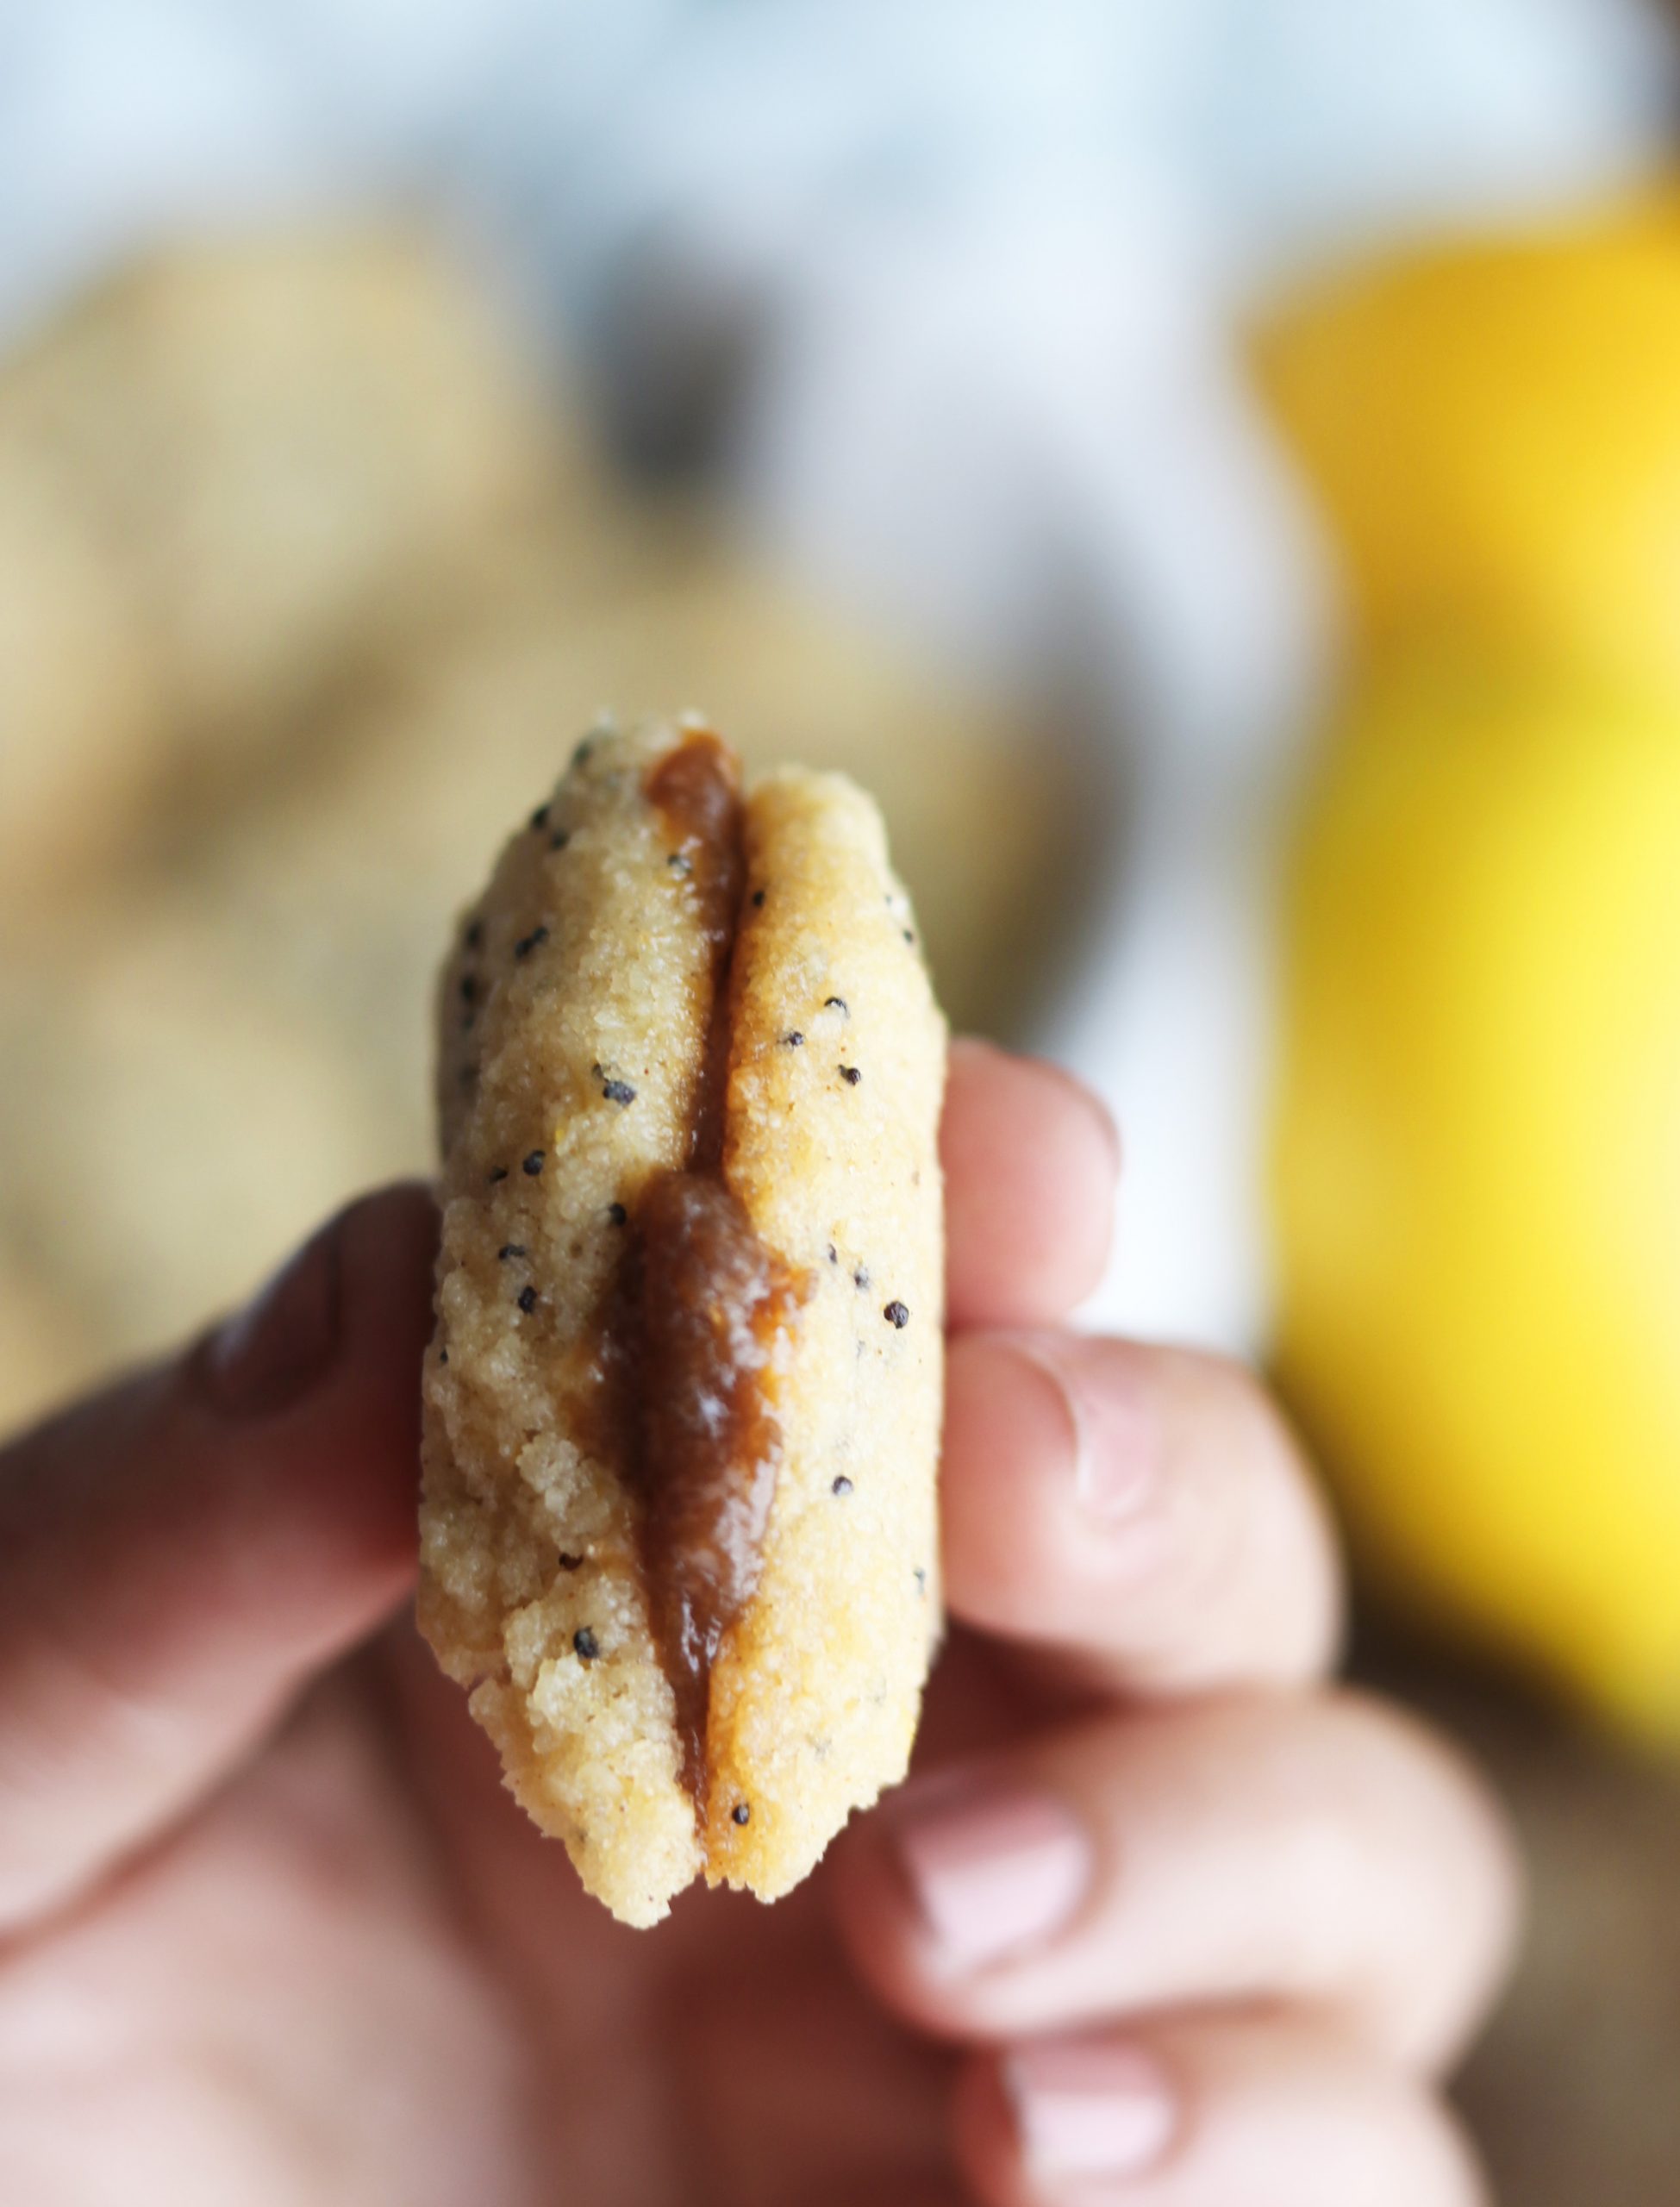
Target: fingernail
x=993 y=1873
x=266 y=1354
x=1084 y=2109
x=1117 y=1446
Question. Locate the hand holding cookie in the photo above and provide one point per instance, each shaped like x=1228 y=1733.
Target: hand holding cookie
x=1157 y=1917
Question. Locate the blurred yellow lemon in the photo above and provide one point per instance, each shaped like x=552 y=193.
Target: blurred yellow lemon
x=1478 y=1161
x=1495 y=431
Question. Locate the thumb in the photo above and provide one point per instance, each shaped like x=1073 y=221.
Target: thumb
x=178 y=1554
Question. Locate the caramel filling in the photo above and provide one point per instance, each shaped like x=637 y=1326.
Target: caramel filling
x=702 y=1307
x=713 y=1302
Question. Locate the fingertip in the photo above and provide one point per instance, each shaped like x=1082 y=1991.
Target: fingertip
x=1143 y=1510
x=961 y=1874
x=1032 y=1162
x=874 y=1910
x=1206 y=2107
x=402 y=1218
x=891 y=1945
x=1007 y=1486
x=1048 y=2118
x=387 y=1246
x=361 y=1282
x=389 y=1243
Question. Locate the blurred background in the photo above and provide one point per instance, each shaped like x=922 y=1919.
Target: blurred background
x=1214 y=470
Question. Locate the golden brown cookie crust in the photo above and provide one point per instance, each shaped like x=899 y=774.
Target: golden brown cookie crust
x=574 y=1016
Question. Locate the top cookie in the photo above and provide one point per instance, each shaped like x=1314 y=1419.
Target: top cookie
x=682 y=1408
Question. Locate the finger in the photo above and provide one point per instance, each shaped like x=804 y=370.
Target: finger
x=178 y=1554
x=1327 y=1854
x=1031 y=1164
x=1202 y=2113
x=1145 y=1510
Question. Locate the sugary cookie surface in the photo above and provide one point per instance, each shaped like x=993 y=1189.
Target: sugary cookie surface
x=683 y=1404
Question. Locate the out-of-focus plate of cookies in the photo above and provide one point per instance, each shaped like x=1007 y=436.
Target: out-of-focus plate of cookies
x=308 y=584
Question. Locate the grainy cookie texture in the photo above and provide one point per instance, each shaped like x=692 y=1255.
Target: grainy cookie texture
x=678 y=1533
